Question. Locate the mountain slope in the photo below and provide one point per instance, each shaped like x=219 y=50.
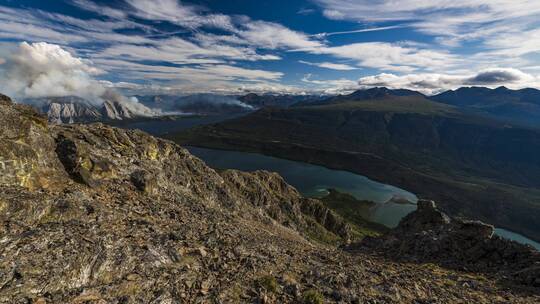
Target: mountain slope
x=373 y=94
x=72 y=109
x=521 y=107
x=472 y=166
x=280 y=101
x=95 y=214
x=69 y=109
x=199 y=104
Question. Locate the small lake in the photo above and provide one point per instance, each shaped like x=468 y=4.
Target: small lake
x=516 y=237
x=310 y=180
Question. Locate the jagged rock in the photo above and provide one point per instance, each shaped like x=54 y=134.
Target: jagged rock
x=27 y=156
x=429 y=235
x=269 y=192
x=70 y=110
x=426 y=217
x=115 y=110
x=73 y=109
x=80 y=163
x=4 y=100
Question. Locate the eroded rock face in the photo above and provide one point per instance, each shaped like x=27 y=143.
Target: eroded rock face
x=27 y=156
x=429 y=235
x=272 y=195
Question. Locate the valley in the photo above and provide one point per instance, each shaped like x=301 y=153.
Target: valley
x=430 y=149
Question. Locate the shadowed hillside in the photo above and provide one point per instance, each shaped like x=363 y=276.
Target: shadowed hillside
x=474 y=166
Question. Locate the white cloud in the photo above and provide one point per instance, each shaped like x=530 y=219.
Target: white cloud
x=181 y=51
x=331 y=86
x=464 y=11
x=435 y=83
x=306 y=11
x=365 y=30
x=41 y=69
x=330 y=65
x=271 y=35
x=204 y=60
x=515 y=44
x=334 y=14
x=452 y=21
x=46 y=70
x=178 y=13
x=32 y=32
x=390 y=57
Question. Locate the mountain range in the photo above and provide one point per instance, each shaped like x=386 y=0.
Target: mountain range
x=73 y=109
x=515 y=107
x=521 y=107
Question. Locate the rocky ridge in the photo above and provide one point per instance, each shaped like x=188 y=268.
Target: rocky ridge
x=95 y=214
x=72 y=109
x=429 y=235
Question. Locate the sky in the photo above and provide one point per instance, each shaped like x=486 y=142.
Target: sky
x=58 y=47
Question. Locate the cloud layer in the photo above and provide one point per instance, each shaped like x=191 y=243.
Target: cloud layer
x=430 y=84
x=173 y=46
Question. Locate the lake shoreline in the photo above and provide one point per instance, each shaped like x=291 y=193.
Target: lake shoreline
x=377 y=220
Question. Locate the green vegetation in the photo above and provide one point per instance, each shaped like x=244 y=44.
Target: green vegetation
x=409 y=104
x=313 y=297
x=354 y=211
x=268 y=283
x=319 y=234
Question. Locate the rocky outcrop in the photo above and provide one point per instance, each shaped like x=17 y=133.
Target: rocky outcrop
x=272 y=195
x=27 y=156
x=429 y=235
x=73 y=109
x=71 y=112
x=114 y=110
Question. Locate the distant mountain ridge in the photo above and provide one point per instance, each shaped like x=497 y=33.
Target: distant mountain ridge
x=73 y=109
x=280 y=101
x=513 y=106
x=377 y=93
x=211 y=104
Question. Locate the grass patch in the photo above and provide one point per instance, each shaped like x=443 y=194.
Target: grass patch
x=354 y=211
x=268 y=283
x=312 y=297
x=318 y=233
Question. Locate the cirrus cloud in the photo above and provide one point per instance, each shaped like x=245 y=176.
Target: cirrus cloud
x=330 y=65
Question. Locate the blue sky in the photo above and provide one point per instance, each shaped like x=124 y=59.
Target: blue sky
x=294 y=46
